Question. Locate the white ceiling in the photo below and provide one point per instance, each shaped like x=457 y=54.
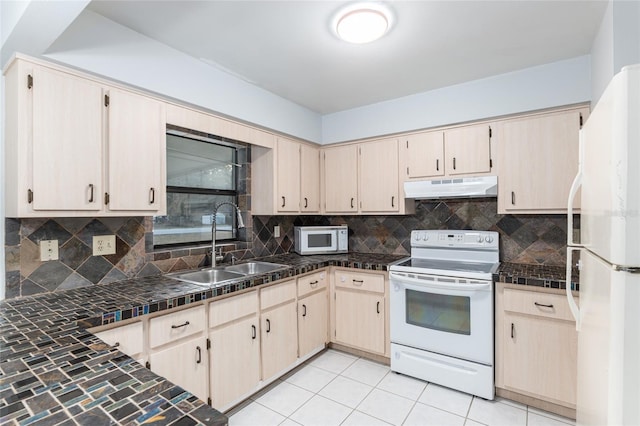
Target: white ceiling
x=287 y=47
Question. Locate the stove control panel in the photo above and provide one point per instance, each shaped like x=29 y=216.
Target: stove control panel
x=451 y=238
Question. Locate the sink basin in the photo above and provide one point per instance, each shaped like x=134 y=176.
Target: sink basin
x=207 y=276
x=254 y=268
x=222 y=274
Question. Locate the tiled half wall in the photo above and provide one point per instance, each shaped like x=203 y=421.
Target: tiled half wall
x=532 y=239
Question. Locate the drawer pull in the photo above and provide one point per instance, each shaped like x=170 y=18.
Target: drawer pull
x=513 y=330
x=358 y=282
x=304 y=314
x=199 y=351
x=116 y=344
x=542 y=305
x=253 y=332
x=268 y=325
x=186 y=323
x=313 y=283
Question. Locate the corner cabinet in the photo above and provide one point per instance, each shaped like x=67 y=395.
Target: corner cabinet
x=364 y=179
x=536 y=349
x=360 y=311
x=538 y=159
x=285 y=179
x=76 y=147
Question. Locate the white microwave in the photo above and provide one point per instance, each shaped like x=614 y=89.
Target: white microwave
x=321 y=239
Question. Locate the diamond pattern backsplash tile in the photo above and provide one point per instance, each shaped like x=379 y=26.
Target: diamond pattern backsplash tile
x=530 y=239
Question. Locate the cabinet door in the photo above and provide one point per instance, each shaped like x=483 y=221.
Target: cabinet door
x=234 y=362
x=379 y=176
x=360 y=320
x=425 y=155
x=288 y=172
x=185 y=365
x=309 y=179
x=538 y=160
x=136 y=153
x=312 y=322
x=341 y=179
x=127 y=338
x=279 y=339
x=540 y=357
x=468 y=150
x=67 y=142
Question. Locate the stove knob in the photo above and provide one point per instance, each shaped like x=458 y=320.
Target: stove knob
x=488 y=239
x=480 y=239
x=425 y=236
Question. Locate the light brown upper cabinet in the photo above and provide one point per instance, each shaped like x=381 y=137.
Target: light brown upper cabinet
x=464 y=150
x=538 y=159
x=364 y=178
x=285 y=179
x=341 y=179
x=77 y=147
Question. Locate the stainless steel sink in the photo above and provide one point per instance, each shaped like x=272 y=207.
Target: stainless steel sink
x=254 y=268
x=221 y=274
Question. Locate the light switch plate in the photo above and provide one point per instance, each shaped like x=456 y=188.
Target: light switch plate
x=48 y=250
x=104 y=244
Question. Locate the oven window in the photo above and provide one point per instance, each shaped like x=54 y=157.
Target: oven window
x=319 y=240
x=440 y=312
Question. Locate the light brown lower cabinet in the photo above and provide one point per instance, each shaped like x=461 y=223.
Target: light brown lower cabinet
x=536 y=348
x=360 y=311
x=313 y=313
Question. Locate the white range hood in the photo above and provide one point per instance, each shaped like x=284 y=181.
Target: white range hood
x=485 y=186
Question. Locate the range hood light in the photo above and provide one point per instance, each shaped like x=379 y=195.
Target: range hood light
x=485 y=186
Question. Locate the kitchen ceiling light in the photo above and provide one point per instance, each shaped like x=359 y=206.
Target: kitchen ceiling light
x=362 y=23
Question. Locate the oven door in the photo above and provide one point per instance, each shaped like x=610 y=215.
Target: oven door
x=449 y=316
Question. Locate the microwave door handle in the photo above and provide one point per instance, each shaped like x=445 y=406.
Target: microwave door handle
x=438 y=285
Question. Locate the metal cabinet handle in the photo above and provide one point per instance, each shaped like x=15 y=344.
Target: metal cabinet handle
x=313 y=283
x=437 y=165
x=454 y=163
x=91 y=193
x=378 y=307
x=283 y=201
x=513 y=330
x=513 y=198
x=186 y=323
x=116 y=344
x=352 y=202
x=199 y=351
x=306 y=203
x=304 y=307
x=358 y=282
x=542 y=305
x=393 y=198
x=268 y=326
x=152 y=195
x=253 y=332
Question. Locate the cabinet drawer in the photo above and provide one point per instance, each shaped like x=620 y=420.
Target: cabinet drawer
x=233 y=308
x=277 y=294
x=127 y=338
x=174 y=326
x=536 y=303
x=311 y=283
x=360 y=281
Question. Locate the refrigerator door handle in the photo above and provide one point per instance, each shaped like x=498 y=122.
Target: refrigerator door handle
x=575 y=311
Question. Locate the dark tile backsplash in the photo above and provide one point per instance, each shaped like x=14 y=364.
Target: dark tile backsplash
x=530 y=239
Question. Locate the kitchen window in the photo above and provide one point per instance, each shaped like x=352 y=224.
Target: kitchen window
x=201 y=173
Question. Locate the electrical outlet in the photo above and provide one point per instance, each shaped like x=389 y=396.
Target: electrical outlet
x=48 y=250
x=276 y=231
x=104 y=244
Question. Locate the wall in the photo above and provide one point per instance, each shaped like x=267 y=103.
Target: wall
x=533 y=239
x=617 y=44
x=560 y=83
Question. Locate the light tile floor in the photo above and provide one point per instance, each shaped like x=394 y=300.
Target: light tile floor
x=336 y=388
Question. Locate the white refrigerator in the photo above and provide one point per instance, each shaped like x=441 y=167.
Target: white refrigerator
x=608 y=318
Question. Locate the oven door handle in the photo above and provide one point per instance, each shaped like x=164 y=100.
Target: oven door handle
x=438 y=285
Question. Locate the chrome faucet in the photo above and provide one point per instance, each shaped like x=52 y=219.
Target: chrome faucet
x=213 y=227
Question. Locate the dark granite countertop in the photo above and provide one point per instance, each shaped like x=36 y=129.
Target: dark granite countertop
x=53 y=371
x=536 y=275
